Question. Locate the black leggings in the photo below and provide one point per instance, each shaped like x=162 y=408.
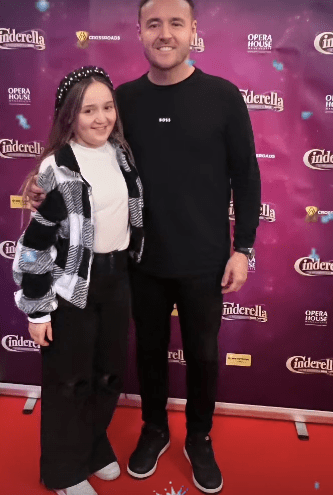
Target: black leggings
x=82 y=376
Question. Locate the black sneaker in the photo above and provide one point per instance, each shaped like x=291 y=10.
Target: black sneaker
x=153 y=442
x=199 y=452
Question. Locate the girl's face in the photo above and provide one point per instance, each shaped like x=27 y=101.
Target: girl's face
x=97 y=116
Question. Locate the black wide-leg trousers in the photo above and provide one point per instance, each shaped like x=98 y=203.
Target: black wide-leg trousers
x=199 y=304
x=82 y=376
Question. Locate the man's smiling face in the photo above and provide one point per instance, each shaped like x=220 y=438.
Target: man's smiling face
x=167 y=29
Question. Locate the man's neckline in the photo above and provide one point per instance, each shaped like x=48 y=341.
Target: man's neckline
x=173 y=85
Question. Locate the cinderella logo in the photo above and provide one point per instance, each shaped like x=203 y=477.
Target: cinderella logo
x=318 y=159
x=324 y=43
x=7 y=249
x=14 y=343
x=311 y=267
x=11 y=40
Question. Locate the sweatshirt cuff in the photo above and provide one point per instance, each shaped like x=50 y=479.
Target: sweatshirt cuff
x=40 y=319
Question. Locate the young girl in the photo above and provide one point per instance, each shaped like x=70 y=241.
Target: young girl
x=71 y=264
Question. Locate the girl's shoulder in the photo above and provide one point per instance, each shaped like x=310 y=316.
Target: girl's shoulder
x=49 y=161
x=47 y=174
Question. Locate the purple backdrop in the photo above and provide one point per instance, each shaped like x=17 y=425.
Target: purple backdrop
x=280 y=56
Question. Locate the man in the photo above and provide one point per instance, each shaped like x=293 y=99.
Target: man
x=192 y=141
x=190 y=134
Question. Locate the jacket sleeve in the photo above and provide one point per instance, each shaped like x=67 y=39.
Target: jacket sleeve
x=36 y=253
x=243 y=171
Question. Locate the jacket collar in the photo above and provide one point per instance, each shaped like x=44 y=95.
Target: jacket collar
x=65 y=157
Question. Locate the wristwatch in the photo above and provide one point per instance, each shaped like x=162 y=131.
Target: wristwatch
x=249 y=252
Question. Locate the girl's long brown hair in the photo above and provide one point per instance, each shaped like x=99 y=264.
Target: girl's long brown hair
x=62 y=130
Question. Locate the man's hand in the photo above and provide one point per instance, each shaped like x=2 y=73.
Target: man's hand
x=235 y=273
x=38 y=332
x=35 y=194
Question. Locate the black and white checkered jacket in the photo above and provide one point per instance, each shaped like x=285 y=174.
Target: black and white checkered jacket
x=55 y=253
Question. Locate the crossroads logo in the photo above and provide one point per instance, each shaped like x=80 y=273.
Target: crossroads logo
x=176 y=357
x=329 y=104
x=232 y=311
x=301 y=364
x=259 y=43
x=13 y=149
x=313 y=268
x=316 y=318
x=7 y=249
x=324 y=43
x=84 y=38
x=318 y=159
x=14 y=343
x=198 y=44
x=313 y=212
x=266 y=212
x=19 y=96
x=266 y=101
x=265 y=156
x=11 y=40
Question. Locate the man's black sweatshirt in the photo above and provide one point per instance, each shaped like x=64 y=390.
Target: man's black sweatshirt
x=192 y=143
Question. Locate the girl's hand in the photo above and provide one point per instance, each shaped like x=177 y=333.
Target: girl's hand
x=38 y=332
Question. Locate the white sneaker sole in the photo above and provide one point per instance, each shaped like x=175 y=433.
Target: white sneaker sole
x=205 y=490
x=152 y=471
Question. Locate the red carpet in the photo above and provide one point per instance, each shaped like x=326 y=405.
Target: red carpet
x=257 y=457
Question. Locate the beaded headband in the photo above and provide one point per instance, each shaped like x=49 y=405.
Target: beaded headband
x=74 y=77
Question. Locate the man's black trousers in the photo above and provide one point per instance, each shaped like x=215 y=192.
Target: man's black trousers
x=82 y=376
x=199 y=304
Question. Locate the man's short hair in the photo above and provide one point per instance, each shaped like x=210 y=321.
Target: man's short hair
x=143 y=2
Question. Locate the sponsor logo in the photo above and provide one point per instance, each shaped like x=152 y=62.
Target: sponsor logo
x=251 y=265
x=19 y=96
x=238 y=359
x=232 y=311
x=304 y=365
x=316 y=318
x=318 y=159
x=14 y=343
x=313 y=268
x=259 y=43
x=10 y=148
x=17 y=202
x=11 y=40
x=84 y=38
x=164 y=119
x=265 y=101
x=324 y=43
x=265 y=156
x=266 y=212
x=198 y=44
x=7 y=249
x=313 y=212
x=329 y=104
x=176 y=357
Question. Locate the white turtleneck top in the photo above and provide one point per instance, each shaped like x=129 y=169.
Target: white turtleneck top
x=99 y=167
